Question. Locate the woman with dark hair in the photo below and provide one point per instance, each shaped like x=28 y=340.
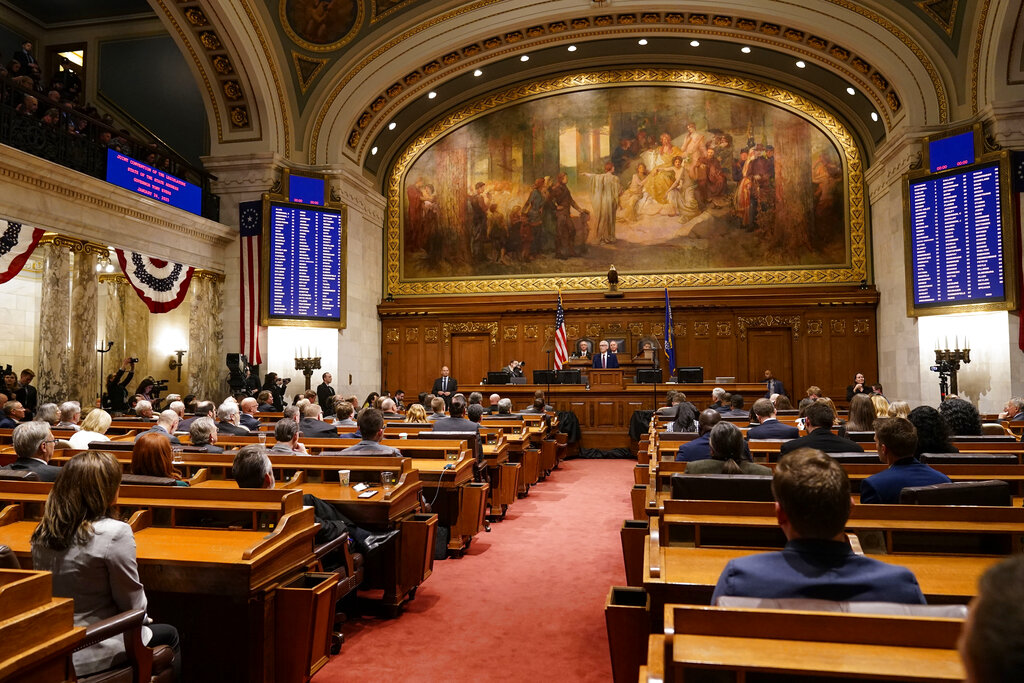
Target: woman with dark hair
x=932 y=431
x=146 y=388
x=152 y=456
x=92 y=557
x=862 y=414
x=368 y=403
x=961 y=416
x=270 y=383
x=726 y=443
x=783 y=403
x=686 y=417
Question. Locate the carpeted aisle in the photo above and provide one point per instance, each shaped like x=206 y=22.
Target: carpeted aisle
x=525 y=603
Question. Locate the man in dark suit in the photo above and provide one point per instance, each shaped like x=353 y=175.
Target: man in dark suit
x=605 y=358
x=13 y=413
x=203 y=409
x=819 y=420
x=33 y=443
x=166 y=424
x=371 y=427
x=773 y=385
x=896 y=439
x=389 y=410
x=227 y=420
x=445 y=386
x=770 y=427
x=313 y=426
x=247 y=417
x=736 y=407
x=325 y=394
x=812 y=504
x=203 y=434
x=700 y=448
x=457 y=422
x=26 y=393
x=1014 y=410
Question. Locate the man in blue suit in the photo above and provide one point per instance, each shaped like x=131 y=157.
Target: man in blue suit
x=897 y=442
x=605 y=358
x=769 y=427
x=700 y=448
x=772 y=385
x=812 y=504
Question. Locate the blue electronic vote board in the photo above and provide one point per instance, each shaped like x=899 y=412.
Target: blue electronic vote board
x=951 y=152
x=304 y=275
x=957 y=238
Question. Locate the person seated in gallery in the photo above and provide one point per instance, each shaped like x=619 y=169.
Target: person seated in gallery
x=736 y=408
x=859 y=386
x=862 y=414
x=1013 y=411
x=670 y=404
x=896 y=439
x=437 y=407
x=343 y=412
x=33 y=444
x=48 y=413
x=718 y=400
x=456 y=422
x=313 y=426
x=152 y=457
x=265 y=399
x=70 y=415
x=203 y=409
x=961 y=416
x=389 y=409
x=536 y=407
x=287 y=433
x=992 y=641
x=604 y=358
x=684 y=414
x=248 y=407
x=492 y=404
x=933 y=433
x=203 y=434
x=166 y=425
x=505 y=406
x=726 y=442
x=812 y=505
x=582 y=349
x=769 y=426
x=813 y=394
x=416 y=414
x=371 y=429
x=13 y=413
x=820 y=417
x=700 y=448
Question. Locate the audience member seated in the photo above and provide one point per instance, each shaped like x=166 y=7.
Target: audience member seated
x=165 y=425
x=700 y=448
x=812 y=504
x=144 y=409
x=505 y=406
x=265 y=399
x=14 y=412
x=726 y=442
x=399 y=399
x=898 y=409
x=70 y=414
x=247 y=414
x=1013 y=410
x=9 y=388
x=94 y=428
x=961 y=416
x=492 y=403
x=343 y=412
x=669 y=409
x=474 y=413
x=92 y=557
x=457 y=421
x=536 y=407
x=992 y=641
x=313 y=425
x=769 y=426
x=287 y=433
x=33 y=444
x=896 y=439
x=416 y=414
x=685 y=415
x=203 y=434
x=152 y=457
x=820 y=416
x=862 y=414
x=932 y=431
x=227 y=420
x=717 y=400
x=389 y=409
x=736 y=408
x=437 y=408
x=880 y=404
x=370 y=399
x=203 y=409
x=539 y=394
x=813 y=394
x=48 y=413
x=836 y=420
x=371 y=427
x=782 y=402
x=178 y=407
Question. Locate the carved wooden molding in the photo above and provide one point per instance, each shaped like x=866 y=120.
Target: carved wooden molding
x=764 y=321
x=448 y=328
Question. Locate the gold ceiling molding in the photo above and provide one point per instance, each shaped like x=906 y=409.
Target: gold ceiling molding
x=357 y=24
x=286 y=125
x=692 y=23
x=375 y=17
x=823 y=119
x=307 y=69
x=932 y=8
x=57 y=240
x=116 y=278
x=976 y=56
x=211 y=275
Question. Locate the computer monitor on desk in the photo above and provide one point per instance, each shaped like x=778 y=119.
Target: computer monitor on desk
x=545 y=377
x=690 y=375
x=498 y=377
x=570 y=377
x=648 y=376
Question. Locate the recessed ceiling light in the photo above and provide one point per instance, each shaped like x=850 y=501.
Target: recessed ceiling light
x=745 y=50
x=800 y=64
x=431 y=95
x=524 y=58
x=572 y=48
x=694 y=43
x=478 y=73
x=642 y=41
x=851 y=91
x=874 y=116
x=373 y=151
x=392 y=125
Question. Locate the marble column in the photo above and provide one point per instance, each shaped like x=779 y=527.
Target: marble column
x=206 y=369
x=113 y=326
x=136 y=334
x=83 y=380
x=54 y=323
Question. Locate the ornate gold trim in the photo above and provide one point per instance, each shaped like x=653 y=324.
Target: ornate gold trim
x=116 y=278
x=976 y=56
x=304 y=83
x=824 y=120
x=69 y=243
x=448 y=328
x=286 y=125
x=744 y=323
x=211 y=275
x=374 y=17
x=96 y=249
x=357 y=25
x=926 y=7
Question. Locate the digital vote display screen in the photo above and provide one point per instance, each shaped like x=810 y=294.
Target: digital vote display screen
x=136 y=176
x=305 y=190
x=952 y=152
x=304 y=276
x=956 y=237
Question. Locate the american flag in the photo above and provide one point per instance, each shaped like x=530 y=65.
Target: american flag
x=561 y=349
x=250 y=225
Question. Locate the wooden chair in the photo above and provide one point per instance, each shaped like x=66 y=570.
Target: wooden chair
x=990 y=492
x=144 y=665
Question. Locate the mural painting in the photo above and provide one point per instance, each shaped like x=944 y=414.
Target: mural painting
x=320 y=22
x=655 y=179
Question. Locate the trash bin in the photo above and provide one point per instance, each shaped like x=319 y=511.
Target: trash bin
x=627 y=617
x=304 y=619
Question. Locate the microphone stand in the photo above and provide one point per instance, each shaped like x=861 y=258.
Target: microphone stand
x=103 y=351
x=548 y=373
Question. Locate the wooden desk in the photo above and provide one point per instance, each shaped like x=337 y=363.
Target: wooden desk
x=37 y=630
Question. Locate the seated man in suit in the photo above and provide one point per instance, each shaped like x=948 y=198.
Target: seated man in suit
x=287 y=433
x=736 y=407
x=770 y=427
x=457 y=422
x=819 y=423
x=896 y=438
x=726 y=441
x=445 y=386
x=203 y=434
x=144 y=409
x=700 y=448
x=605 y=358
x=343 y=413
x=247 y=416
x=166 y=424
x=718 y=400
x=371 y=426
x=313 y=426
x=33 y=444
x=1013 y=410
x=227 y=419
x=582 y=349
x=203 y=409
x=437 y=406
x=70 y=415
x=992 y=641
x=389 y=410
x=812 y=504
x=14 y=412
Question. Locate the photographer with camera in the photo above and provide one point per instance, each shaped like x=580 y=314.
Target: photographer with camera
x=514 y=368
x=117 y=386
x=276 y=387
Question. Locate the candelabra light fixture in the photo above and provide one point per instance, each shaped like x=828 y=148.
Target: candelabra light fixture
x=947 y=363
x=307 y=364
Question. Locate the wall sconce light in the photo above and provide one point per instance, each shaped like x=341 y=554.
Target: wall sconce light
x=176 y=363
x=103 y=265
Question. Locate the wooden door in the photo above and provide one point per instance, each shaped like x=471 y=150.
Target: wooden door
x=770 y=349
x=471 y=358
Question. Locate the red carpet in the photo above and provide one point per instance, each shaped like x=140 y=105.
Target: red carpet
x=525 y=603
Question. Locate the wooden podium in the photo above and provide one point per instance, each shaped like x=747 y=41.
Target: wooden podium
x=606 y=379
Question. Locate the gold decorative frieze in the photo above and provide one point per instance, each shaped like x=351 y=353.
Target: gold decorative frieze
x=701 y=329
x=838 y=327
x=211 y=275
x=530 y=332
x=658 y=329
x=679 y=329
x=636 y=329
x=861 y=326
x=744 y=323
x=117 y=278
x=412 y=335
x=572 y=331
x=814 y=327
x=723 y=328
x=510 y=333
x=593 y=330
x=430 y=334
x=69 y=243
x=391 y=335
x=448 y=329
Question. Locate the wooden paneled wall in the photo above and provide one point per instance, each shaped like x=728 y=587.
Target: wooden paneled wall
x=810 y=335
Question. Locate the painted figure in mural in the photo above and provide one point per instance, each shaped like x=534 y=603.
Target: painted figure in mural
x=623 y=154
x=693 y=146
x=532 y=216
x=514 y=242
x=414 y=217
x=560 y=198
x=497 y=234
x=633 y=197
x=604 y=194
x=663 y=175
x=478 y=226
x=432 y=235
x=710 y=179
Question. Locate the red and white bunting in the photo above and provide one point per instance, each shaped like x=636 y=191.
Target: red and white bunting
x=161 y=284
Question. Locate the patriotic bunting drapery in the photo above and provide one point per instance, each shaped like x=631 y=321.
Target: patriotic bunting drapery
x=162 y=285
x=17 y=242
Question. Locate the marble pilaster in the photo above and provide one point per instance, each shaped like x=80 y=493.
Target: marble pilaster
x=83 y=380
x=54 y=319
x=206 y=336
x=136 y=334
x=113 y=327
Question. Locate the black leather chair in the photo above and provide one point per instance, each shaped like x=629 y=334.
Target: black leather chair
x=144 y=665
x=756 y=487
x=990 y=492
x=18 y=475
x=969 y=458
